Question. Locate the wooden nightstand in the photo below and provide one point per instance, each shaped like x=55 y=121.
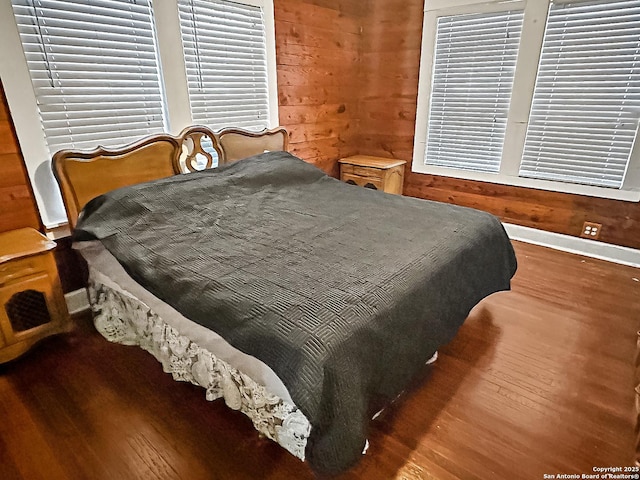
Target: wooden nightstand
x=32 y=303
x=386 y=174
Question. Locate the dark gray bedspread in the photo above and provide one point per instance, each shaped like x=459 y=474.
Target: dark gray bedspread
x=344 y=292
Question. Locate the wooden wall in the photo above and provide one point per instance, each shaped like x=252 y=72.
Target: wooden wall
x=390 y=58
x=318 y=61
x=17 y=204
x=390 y=63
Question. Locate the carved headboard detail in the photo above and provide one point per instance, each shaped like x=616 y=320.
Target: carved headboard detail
x=83 y=175
x=236 y=144
x=197 y=143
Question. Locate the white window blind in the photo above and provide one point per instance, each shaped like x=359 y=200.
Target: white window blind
x=94 y=70
x=475 y=58
x=586 y=102
x=226 y=59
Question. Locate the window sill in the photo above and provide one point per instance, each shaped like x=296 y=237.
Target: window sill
x=514 y=181
x=59 y=231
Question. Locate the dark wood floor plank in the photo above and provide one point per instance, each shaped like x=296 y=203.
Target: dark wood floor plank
x=538 y=380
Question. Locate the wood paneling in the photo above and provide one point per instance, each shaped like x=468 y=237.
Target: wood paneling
x=17 y=204
x=390 y=59
x=538 y=380
x=318 y=61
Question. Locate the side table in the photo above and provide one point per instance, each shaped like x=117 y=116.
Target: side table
x=33 y=305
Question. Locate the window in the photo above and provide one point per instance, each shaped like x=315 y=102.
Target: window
x=107 y=72
x=94 y=70
x=586 y=102
x=226 y=59
x=542 y=94
x=475 y=61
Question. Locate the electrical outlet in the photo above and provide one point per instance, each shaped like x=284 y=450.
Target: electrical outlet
x=591 y=230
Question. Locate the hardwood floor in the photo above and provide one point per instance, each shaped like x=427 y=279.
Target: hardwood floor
x=538 y=380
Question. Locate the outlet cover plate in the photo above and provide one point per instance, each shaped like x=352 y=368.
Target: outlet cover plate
x=591 y=230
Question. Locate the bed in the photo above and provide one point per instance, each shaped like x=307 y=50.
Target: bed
x=306 y=303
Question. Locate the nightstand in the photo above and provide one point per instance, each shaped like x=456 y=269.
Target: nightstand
x=33 y=306
x=386 y=174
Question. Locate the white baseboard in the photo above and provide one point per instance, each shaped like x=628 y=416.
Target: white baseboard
x=77 y=301
x=581 y=246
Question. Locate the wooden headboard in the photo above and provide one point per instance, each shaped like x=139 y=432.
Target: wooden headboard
x=236 y=144
x=84 y=175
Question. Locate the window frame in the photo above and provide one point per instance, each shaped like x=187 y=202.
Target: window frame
x=16 y=80
x=531 y=40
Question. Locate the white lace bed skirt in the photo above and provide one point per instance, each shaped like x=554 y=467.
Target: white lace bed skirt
x=124 y=319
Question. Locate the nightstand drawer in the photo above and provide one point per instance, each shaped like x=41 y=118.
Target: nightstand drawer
x=14 y=271
x=367 y=182
x=386 y=174
x=363 y=171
